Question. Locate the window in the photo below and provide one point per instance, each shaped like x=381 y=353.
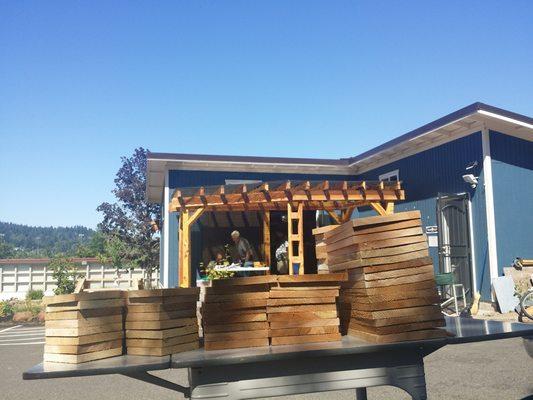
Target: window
x=392 y=176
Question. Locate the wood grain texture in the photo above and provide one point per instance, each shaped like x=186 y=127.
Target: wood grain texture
x=83 y=314
x=233 y=318
x=301 y=301
x=85 y=296
x=240 y=327
x=304 y=323
x=81 y=358
x=301 y=308
x=281 y=294
x=154 y=325
x=162 y=351
x=236 y=344
x=89 y=330
x=161 y=334
x=283 y=340
x=82 y=349
x=81 y=323
x=85 y=305
x=172 y=341
x=83 y=340
x=302 y=316
x=311 y=330
x=399 y=337
x=220 y=336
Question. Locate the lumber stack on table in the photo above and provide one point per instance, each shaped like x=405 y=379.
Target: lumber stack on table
x=83 y=327
x=391 y=293
x=302 y=309
x=320 y=246
x=234 y=313
x=161 y=321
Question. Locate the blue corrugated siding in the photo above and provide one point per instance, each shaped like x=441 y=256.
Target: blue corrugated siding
x=512 y=171
x=205 y=178
x=439 y=170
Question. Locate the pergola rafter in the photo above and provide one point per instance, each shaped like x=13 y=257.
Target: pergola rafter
x=291 y=196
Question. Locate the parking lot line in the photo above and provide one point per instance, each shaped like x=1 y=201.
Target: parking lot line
x=8 y=329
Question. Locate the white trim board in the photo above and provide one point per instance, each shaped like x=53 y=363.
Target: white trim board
x=166 y=232
x=489 y=204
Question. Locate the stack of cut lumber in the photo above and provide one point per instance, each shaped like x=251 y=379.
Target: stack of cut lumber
x=234 y=313
x=391 y=294
x=320 y=246
x=161 y=321
x=84 y=326
x=302 y=309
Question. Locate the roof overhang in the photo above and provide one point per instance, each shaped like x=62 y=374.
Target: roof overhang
x=458 y=124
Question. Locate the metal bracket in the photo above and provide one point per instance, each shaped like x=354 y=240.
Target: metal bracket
x=146 y=377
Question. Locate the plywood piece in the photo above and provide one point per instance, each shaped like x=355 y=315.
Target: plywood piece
x=251 y=280
x=398 y=273
x=395 y=304
x=224 y=290
x=304 y=323
x=83 y=314
x=240 y=327
x=190 y=338
x=236 y=344
x=82 y=349
x=234 y=305
x=393 y=281
x=301 y=301
x=386 y=330
x=173 y=323
x=162 y=351
x=81 y=358
x=302 y=316
x=429 y=284
x=312 y=330
x=395 y=313
x=378 y=260
x=217 y=298
x=225 y=318
x=302 y=308
x=429 y=316
x=89 y=330
x=85 y=305
x=280 y=294
x=162 y=334
x=348 y=296
x=400 y=337
x=418 y=262
x=220 y=336
x=85 y=296
x=150 y=308
x=81 y=323
x=311 y=278
x=283 y=340
x=160 y=316
x=194 y=291
x=184 y=300
x=401 y=216
x=83 y=340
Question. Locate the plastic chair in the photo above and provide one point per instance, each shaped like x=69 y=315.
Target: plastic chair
x=448 y=279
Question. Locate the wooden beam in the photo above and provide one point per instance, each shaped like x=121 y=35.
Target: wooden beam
x=347 y=214
x=188 y=218
x=378 y=208
x=334 y=216
x=389 y=207
x=266 y=237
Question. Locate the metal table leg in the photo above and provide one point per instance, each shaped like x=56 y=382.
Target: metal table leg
x=360 y=394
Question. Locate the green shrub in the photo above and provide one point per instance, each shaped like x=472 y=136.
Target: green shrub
x=65 y=275
x=34 y=295
x=6 y=309
x=27 y=305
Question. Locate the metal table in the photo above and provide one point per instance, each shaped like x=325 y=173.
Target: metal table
x=293 y=369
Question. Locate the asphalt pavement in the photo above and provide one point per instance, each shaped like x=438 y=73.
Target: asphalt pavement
x=489 y=370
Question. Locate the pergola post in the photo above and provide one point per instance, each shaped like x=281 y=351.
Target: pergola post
x=188 y=217
x=266 y=237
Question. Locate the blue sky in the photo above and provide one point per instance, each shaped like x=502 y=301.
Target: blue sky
x=84 y=83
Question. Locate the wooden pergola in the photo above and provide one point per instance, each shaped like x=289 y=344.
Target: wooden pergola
x=338 y=198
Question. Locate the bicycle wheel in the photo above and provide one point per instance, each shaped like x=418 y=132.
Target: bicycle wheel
x=526 y=304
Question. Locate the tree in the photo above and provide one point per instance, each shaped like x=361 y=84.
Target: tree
x=6 y=249
x=65 y=274
x=128 y=222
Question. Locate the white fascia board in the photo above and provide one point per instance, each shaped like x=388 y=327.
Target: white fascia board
x=507 y=119
x=489 y=204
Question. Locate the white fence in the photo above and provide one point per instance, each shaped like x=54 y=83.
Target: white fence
x=17 y=277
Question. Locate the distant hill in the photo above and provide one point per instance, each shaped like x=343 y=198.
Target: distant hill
x=20 y=241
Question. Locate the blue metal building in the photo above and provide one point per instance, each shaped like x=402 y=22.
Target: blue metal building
x=470 y=173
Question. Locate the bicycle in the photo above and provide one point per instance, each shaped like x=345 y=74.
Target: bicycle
x=526 y=304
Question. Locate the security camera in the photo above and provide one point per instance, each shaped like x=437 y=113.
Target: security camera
x=470 y=179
